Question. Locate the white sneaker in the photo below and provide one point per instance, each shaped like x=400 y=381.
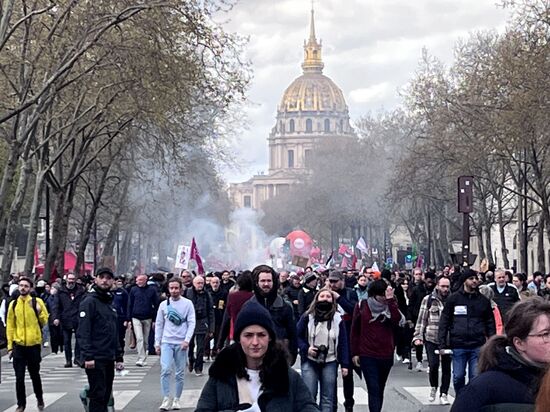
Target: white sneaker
x=433 y=392
x=46 y=344
x=398 y=357
x=406 y=360
x=197 y=373
x=419 y=367
x=139 y=362
x=176 y=404
x=443 y=400
x=166 y=404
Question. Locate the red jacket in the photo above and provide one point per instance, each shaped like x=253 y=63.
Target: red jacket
x=235 y=302
x=373 y=339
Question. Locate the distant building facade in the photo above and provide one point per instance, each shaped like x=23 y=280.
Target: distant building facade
x=312 y=110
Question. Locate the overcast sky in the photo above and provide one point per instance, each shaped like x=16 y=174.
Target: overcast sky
x=371 y=49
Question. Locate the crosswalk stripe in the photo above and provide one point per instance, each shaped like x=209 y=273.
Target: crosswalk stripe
x=49 y=399
x=421 y=394
x=123 y=398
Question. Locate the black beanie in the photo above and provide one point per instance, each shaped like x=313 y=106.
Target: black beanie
x=466 y=273
x=252 y=313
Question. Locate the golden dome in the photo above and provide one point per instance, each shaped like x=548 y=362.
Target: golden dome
x=313 y=92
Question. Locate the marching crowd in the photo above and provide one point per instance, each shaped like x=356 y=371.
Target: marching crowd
x=488 y=333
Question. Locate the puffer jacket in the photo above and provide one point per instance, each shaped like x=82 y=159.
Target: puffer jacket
x=23 y=327
x=284 y=389
x=510 y=386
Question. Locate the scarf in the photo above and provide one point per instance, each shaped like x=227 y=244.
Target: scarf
x=378 y=310
x=323 y=314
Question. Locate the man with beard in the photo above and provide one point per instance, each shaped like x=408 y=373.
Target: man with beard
x=347 y=299
x=187 y=279
x=227 y=281
x=426 y=333
x=97 y=334
x=65 y=313
x=219 y=300
x=26 y=315
x=468 y=320
x=204 y=326
x=265 y=293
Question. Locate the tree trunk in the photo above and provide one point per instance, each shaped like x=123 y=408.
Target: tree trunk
x=7 y=181
x=13 y=218
x=34 y=221
x=540 y=244
x=479 y=234
x=502 y=234
x=85 y=234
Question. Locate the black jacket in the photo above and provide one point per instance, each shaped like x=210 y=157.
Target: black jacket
x=143 y=302
x=219 y=301
x=305 y=297
x=468 y=319
x=97 y=331
x=66 y=304
x=204 y=311
x=417 y=293
x=283 y=320
x=510 y=386
x=506 y=299
x=291 y=294
x=283 y=388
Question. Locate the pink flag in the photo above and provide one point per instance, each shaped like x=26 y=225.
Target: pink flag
x=194 y=254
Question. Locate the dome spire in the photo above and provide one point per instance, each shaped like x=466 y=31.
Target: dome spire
x=312 y=25
x=312 y=49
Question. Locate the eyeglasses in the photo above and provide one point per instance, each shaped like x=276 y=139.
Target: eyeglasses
x=545 y=336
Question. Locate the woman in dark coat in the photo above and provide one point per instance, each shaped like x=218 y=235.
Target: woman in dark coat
x=253 y=374
x=511 y=366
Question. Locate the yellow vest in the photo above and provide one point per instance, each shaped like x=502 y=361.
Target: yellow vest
x=22 y=327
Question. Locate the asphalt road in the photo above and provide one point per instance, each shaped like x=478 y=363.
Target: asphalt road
x=139 y=390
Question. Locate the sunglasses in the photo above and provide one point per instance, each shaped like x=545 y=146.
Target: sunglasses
x=333 y=280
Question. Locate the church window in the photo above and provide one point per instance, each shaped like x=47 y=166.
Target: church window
x=281 y=127
x=247 y=201
x=309 y=126
x=342 y=125
x=291 y=125
x=327 y=125
x=290 y=159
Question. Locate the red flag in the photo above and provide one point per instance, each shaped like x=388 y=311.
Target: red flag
x=194 y=254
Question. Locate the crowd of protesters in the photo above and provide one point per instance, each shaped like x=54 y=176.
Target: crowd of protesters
x=485 y=331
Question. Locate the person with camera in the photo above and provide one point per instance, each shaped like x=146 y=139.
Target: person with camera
x=174 y=328
x=426 y=333
x=372 y=345
x=323 y=344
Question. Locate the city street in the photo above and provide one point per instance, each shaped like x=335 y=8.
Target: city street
x=139 y=390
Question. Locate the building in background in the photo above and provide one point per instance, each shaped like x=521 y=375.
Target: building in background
x=312 y=110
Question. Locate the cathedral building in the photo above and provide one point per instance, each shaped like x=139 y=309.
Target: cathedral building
x=312 y=110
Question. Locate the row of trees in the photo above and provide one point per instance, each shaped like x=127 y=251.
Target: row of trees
x=486 y=115
x=111 y=110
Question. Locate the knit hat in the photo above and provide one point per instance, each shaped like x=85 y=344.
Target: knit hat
x=252 y=313
x=467 y=273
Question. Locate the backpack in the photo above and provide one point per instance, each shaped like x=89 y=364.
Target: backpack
x=33 y=304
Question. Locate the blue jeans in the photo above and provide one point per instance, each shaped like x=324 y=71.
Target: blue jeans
x=172 y=353
x=461 y=359
x=315 y=374
x=376 y=373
